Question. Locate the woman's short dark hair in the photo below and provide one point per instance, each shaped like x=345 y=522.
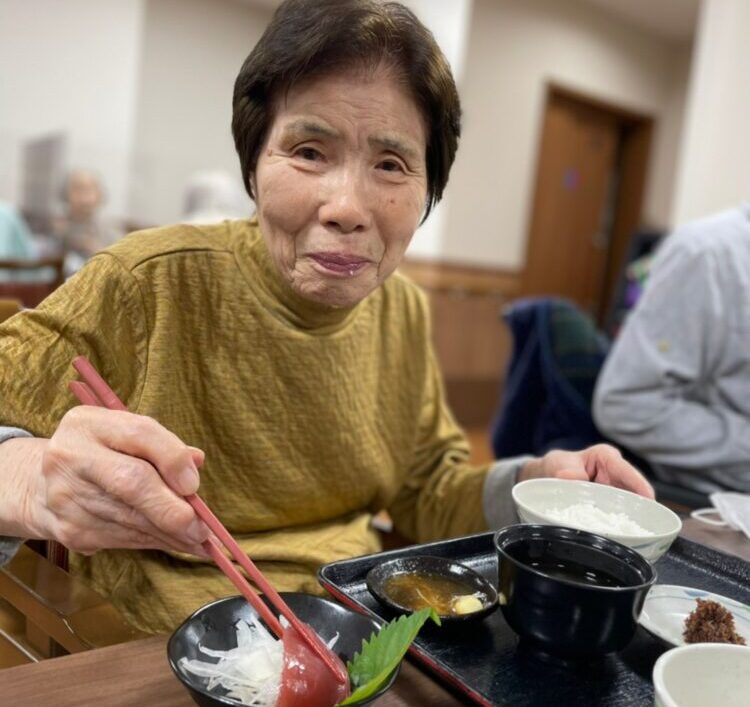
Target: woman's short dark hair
x=308 y=38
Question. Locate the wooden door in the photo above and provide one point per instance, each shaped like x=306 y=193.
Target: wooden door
x=574 y=202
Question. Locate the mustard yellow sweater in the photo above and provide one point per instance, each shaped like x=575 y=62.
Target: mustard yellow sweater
x=311 y=418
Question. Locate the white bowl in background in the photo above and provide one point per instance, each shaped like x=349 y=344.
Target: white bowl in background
x=535 y=498
x=703 y=675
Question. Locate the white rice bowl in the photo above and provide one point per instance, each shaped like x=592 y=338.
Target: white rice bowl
x=545 y=501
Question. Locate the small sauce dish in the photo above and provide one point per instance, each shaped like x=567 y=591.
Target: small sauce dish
x=455 y=591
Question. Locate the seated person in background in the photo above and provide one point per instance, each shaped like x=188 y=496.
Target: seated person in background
x=675 y=389
x=283 y=345
x=211 y=197
x=16 y=242
x=80 y=229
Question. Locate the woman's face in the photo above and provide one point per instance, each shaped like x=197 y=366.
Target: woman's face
x=340 y=183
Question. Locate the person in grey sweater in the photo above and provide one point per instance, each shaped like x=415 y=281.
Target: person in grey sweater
x=675 y=388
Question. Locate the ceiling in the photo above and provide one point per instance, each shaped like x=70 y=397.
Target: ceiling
x=267 y=4
x=671 y=19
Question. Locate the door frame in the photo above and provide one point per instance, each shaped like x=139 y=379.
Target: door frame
x=636 y=130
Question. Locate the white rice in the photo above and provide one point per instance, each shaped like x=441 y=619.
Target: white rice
x=586 y=516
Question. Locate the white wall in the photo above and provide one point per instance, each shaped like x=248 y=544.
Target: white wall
x=144 y=88
x=449 y=21
x=192 y=52
x=70 y=66
x=665 y=150
x=515 y=48
x=715 y=155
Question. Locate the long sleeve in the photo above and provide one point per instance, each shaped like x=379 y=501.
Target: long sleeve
x=99 y=314
x=666 y=389
x=444 y=495
x=9 y=546
x=497 y=501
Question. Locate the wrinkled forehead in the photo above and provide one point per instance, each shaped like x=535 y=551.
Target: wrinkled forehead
x=376 y=97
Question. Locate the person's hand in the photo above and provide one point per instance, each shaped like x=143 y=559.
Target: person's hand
x=110 y=479
x=601 y=463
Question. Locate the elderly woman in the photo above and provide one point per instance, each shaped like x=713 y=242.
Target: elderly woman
x=280 y=355
x=80 y=230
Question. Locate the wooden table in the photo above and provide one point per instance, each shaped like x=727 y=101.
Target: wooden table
x=733 y=542
x=137 y=674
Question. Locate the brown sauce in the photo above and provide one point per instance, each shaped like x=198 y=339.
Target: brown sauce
x=418 y=590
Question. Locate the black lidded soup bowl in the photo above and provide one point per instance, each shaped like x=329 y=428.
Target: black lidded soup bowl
x=569 y=594
x=213 y=626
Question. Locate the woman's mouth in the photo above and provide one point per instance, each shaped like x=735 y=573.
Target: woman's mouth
x=339 y=264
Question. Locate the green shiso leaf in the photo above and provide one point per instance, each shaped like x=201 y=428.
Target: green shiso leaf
x=370 y=667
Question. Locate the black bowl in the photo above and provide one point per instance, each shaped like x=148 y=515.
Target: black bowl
x=213 y=626
x=565 y=618
x=378 y=576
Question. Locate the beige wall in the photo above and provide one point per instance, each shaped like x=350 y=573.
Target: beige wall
x=665 y=153
x=192 y=52
x=515 y=47
x=144 y=89
x=448 y=20
x=70 y=68
x=715 y=152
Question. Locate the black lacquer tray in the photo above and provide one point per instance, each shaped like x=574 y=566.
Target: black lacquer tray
x=481 y=659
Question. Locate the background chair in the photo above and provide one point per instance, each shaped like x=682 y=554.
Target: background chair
x=546 y=402
x=627 y=291
x=9 y=307
x=46 y=612
x=556 y=358
x=30 y=281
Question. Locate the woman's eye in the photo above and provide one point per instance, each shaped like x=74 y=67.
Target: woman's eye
x=391 y=166
x=308 y=153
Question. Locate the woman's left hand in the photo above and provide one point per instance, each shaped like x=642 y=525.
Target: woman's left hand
x=601 y=463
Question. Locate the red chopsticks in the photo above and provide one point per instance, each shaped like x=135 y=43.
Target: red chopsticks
x=93 y=390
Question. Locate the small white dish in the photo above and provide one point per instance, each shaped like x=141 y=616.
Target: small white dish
x=703 y=675
x=667 y=606
x=535 y=498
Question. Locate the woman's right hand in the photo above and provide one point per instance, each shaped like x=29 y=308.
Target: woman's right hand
x=111 y=479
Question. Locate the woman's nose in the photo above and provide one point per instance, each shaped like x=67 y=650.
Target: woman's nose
x=346 y=207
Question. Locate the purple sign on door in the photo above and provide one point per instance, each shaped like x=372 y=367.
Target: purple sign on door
x=570 y=179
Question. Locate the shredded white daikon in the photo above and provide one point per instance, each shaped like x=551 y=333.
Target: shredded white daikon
x=586 y=516
x=251 y=672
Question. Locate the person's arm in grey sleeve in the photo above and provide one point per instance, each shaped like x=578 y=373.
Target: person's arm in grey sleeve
x=497 y=501
x=649 y=394
x=9 y=546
